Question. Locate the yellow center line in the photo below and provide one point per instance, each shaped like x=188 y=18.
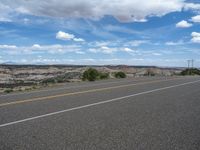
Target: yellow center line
x=80 y=92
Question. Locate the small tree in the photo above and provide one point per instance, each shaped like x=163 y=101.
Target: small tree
x=149 y=72
x=90 y=74
x=120 y=74
x=103 y=75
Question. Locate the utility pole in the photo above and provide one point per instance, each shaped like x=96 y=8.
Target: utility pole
x=188 y=62
x=192 y=63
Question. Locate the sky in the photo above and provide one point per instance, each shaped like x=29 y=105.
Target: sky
x=107 y=32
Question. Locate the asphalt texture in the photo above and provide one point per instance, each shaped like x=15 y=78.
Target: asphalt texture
x=147 y=113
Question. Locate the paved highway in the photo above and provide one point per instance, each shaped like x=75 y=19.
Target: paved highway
x=141 y=113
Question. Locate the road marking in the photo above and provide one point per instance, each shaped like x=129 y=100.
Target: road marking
x=76 y=93
x=94 y=104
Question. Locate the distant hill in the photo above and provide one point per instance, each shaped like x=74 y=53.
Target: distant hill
x=9 y=63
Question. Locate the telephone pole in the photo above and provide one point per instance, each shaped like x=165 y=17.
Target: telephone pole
x=188 y=62
x=192 y=63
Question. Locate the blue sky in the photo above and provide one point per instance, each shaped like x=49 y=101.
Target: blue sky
x=91 y=32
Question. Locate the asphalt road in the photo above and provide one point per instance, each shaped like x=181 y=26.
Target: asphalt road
x=137 y=114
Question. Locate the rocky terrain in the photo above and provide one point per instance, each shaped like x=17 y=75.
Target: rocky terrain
x=20 y=77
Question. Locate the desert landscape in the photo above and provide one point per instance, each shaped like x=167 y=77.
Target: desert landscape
x=30 y=77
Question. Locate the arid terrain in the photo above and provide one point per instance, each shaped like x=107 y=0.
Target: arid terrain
x=28 y=77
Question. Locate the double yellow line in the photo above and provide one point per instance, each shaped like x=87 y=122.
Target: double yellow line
x=76 y=93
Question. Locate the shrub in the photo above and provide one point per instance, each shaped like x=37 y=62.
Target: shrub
x=50 y=80
x=60 y=79
x=91 y=74
x=103 y=75
x=192 y=71
x=149 y=72
x=8 y=90
x=120 y=74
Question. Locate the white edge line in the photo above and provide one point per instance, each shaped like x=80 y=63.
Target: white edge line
x=94 y=104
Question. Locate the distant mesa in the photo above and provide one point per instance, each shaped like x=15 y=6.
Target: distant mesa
x=9 y=63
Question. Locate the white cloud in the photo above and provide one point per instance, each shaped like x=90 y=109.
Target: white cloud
x=126 y=11
x=36 y=48
x=80 y=52
x=183 y=24
x=26 y=21
x=171 y=43
x=103 y=49
x=126 y=49
x=156 y=54
x=78 y=39
x=194 y=34
x=192 y=6
x=107 y=50
x=4 y=13
x=196 y=18
x=136 y=43
x=100 y=43
x=110 y=50
x=195 y=37
x=121 y=29
x=8 y=46
x=64 y=36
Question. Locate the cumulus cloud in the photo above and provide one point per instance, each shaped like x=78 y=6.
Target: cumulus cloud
x=183 y=24
x=126 y=11
x=192 y=6
x=66 y=36
x=78 y=39
x=195 y=37
x=36 y=46
x=196 y=19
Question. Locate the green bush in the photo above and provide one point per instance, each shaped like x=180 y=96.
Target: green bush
x=149 y=72
x=120 y=74
x=60 y=79
x=192 y=71
x=8 y=90
x=103 y=75
x=50 y=80
x=91 y=74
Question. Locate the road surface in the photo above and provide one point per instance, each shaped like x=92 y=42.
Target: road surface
x=143 y=113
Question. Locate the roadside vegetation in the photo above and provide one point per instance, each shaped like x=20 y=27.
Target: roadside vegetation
x=149 y=72
x=8 y=90
x=190 y=71
x=92 y=74
x=120 y=74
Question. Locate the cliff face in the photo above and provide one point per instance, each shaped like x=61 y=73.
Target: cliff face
x=26 y=75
